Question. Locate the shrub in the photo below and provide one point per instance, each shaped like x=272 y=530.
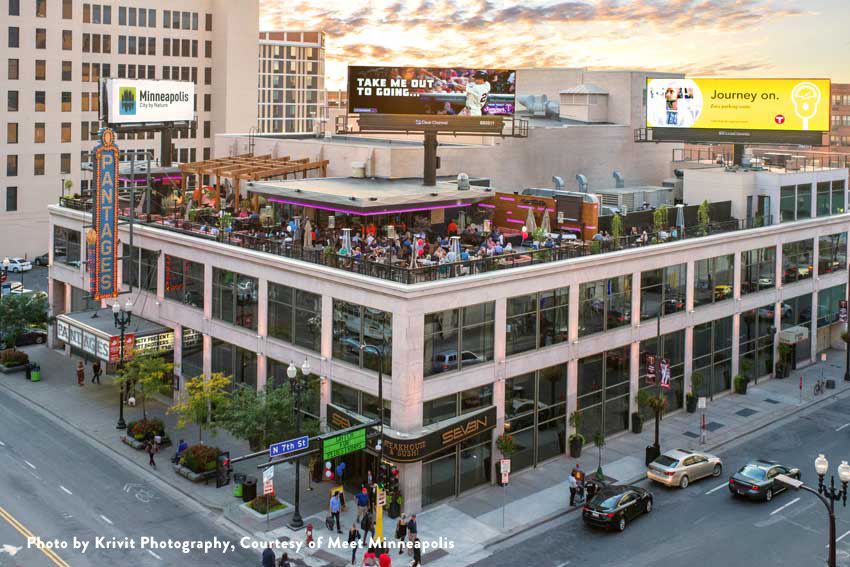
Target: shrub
x=199 y=458
x=145 y=429
x=258 y=504
x=11 y=357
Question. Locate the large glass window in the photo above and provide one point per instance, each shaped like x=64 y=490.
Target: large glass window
x=758 y=269
x=238 y=363
x=838 y=195
x=823 y=197
x=310 y=399
x=295 y=316
x=804 y=201
x=537 y=320
x=66 y=246
x=828 y=304
x=796 y=313
x=82 y=301
x=457 y=404
x=713 y=279
x=756 y=342
x=458 y=338
x=235 y=298
x=184 y=281
x=712 y=357
x=605 y=304
x=354 y=325
x=361 y=403
x=832 y=253
x=140 y=269
x=673 y=352
x=192 y=362
x=797 y=260
x=603 y=392
x=664 y=290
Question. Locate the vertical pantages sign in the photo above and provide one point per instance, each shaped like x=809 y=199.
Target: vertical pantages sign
x=105 y=215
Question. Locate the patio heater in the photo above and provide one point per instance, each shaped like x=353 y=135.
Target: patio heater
x=346 y=241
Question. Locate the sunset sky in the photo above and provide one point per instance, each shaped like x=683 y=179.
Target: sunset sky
x=771 y=38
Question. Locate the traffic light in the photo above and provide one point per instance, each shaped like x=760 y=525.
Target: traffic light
x=392 y=481
x=222 y=469
x=383 y=474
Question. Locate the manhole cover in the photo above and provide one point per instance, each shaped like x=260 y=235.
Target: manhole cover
x=690 y=434
x=746 y=412
x=771 y=401
x=713 y=425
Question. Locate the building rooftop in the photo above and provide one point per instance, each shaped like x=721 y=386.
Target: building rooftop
x=102 y=320
x=585 y=88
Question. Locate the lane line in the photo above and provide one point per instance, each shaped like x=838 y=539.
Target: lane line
x=107 y=520
x=2 y=444
x=32 y=466
x=21 y=529
x=843 y=426
x=155 y=555
x=839 y=538
x=783 y=507
x=725 y=484
x=66 y=490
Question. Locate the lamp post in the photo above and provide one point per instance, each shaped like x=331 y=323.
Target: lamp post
x=829 y=495
x=123 y=315
x=297 y=387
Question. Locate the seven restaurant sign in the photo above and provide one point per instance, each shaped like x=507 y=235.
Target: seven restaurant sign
x=105 y=214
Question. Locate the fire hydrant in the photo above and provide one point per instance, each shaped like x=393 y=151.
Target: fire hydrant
x=309 y=535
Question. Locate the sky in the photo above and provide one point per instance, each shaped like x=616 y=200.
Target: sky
x=734 y=38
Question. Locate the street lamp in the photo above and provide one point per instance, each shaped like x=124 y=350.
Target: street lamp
x=380 y=444
x=123 y=316
x=827 y=494
x=297 y=387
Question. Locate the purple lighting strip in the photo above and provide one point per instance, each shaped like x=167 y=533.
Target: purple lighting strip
x=506 y=198
x=360 y=213
x=516 y=221
x=486 y=205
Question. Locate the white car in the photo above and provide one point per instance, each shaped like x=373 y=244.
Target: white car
x=18 y=265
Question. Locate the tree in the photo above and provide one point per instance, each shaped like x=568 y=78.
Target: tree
x=205 y=399
x=616 y=230
x=599 y=441
x=18 y=312
x=267 y=416
x=656 y=402
x=659 y=218
x=703 y=217
x=146 y=372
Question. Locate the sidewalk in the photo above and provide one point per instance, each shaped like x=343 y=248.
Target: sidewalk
x=476 y=519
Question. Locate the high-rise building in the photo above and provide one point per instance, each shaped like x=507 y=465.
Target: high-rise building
x=53 y=55
x=839 y=131
x=291 y=82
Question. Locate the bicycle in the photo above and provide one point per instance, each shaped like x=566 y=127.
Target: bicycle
x=820 y=387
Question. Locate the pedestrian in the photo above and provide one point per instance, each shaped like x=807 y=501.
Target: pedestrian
x=354 y=542
x=334 y=508
x=268 y=556
x=573 y=484
x=95 y=372
x=81 y=374
x=411 y=532
x=284 y=560
x=151 y=448
x=401 y=532
x=417 y=553
x=369 y=558
x=340 y=470
x=362 y=502
x=367 y=525
x=384 y=559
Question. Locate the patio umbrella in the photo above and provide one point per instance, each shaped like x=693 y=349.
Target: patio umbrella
x=680 y=219
x=544 y=224
x=346 y=241
x=530 y=223
x=308 y=234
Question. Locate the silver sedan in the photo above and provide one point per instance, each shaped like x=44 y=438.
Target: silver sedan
x=679 y=467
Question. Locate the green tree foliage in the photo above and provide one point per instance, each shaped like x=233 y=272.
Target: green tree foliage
x=616 y=230
x=659 y=218
x=267 y=416
x=205 y=400
x=18 y=312
x=703 y=217
x=150 y=374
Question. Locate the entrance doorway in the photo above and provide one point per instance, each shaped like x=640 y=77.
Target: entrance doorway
x=357 y=465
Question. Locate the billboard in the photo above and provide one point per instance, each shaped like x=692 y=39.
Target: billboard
x=744 y=104
x=431 y=90
x=105 y=214
x=131 y=101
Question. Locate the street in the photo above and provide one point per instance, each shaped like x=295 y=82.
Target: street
x=703 y=524
x=35 y=279
x=58 y=486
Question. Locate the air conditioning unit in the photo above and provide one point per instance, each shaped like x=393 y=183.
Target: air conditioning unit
x=793 y=335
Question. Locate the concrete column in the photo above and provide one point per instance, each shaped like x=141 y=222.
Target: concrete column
x=689 y=357
x=689 y=286
x=68 y=288
x=263 y=308
x=635 y=299
x=778 y=269
x=178 y=358
x=572 y=315
x=499 y=401
x=207 y=357
x=634 y=376
x=813 y=324
x=572 y=391
x=736 y=282
x=777 y=324
x=261 y=371
x=328 y=328
x=815 y=257
x=208 y=292
x=500 y=330
x=160 y=276
x=736 y=344
x=410 y=482
x=324 y=399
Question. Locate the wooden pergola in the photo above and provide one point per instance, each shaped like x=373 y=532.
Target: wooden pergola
x=247 y=167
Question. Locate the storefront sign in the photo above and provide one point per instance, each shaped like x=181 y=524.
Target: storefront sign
x=102 y=349
x=343 y=444
x=62 y=330
x=105 y=215
x=412 y=450
x=115 y=347
x=155 y=343
x=89 y=343
x=76 y=337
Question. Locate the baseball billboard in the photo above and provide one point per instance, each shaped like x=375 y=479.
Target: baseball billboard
x=431 y=90
x=794 y=111
x=130 y=101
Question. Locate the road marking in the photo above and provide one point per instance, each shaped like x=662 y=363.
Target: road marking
x=839 y=538
x=66 y=490
x=843 y=426
x=155 y=555
x=107 y=520
x=10 y=549
x=718 y=488
x=32 y=466
x=783 y=507
x=35 y=475
x=21 y=529
x=2 y=444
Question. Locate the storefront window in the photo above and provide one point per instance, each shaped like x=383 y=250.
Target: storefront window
x=673 y=351
x=468 y=331
x=758 y=269
x=797 y=261
x=662 y=289
x=838 y=194
x=605 y=304
x=828 y=304
x=82 y=301
x=295 y=316
x=756 y=342
x=192 y=362
x=235 y=298
x=184 y=281
x=796 y=312
x=713 y=279
x=603 y=392
x=238 y=363
x=823 y=195
x=354 y=325
x=66 y=246
x=361 y=403
x=712 y=356
x=537 y=320
x=832 y=253
x=139 y=269
x=457 y=404
x=787 y=203
x=475 y=462
x=439 y=477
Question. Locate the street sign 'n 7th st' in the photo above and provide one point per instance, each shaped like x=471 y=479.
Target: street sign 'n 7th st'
x=290 y=446
x=343 y=444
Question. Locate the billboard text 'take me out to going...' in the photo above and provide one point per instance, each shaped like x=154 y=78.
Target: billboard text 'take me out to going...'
x=431 y=90
x=779 y=105
x=141 y=101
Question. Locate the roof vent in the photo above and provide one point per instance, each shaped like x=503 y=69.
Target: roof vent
x=462 y=182
x=373 y=198
x=358 y=169
x=559 y=182
x=621 y=182
x=540 y=105
x=582 y=183
x=434 y=194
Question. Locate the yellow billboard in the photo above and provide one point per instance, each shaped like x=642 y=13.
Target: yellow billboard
x=789 y=105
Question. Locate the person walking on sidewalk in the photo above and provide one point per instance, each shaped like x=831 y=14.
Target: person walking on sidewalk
x=284 y=560
x=334 y=508
x=151 y=448
x=384 y=559
x=81 y=374
x=417 y=553
x=354 y=542
x=362 y=498
x=95 y=372
x=369 y=558
x=367 y=526
x=340 y=470
x=268 y=557
x=411 y=531
x=401 y=532
x=573 y=484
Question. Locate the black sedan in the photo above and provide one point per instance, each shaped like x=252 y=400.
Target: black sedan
x=42 y=260
x=757 y=480
x=614 y=506
x=31 y=337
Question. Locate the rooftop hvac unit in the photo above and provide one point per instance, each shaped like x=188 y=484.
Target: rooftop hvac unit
x=793 y=335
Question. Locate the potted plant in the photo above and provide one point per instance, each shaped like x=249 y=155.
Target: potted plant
x=697 y=380
x=505 y=444
x=783 y=366
x=741 y=384
x=637 y=422
x=576 y=439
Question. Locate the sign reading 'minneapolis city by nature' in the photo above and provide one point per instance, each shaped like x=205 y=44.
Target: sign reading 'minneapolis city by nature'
x=131 y=101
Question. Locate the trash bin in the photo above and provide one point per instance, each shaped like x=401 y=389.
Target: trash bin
x=28 y=370
x=238 y=480
x=35 y=373
x=249 y=489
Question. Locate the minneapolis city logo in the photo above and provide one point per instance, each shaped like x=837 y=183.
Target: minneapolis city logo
x=127 y=104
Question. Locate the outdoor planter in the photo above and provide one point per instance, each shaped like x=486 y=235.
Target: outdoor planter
x=246 y=507
x=637 y=423
x=12 y=368
x=691 y=403
x=575 y=447
x=139 y=445
x=186 y=472
x=741 y=384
